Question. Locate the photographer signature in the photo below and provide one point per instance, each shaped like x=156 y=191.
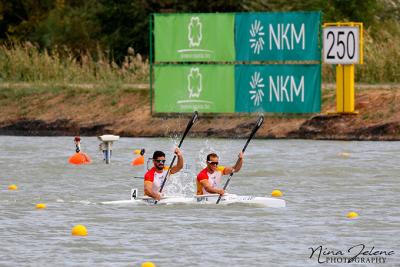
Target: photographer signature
x=352 y=253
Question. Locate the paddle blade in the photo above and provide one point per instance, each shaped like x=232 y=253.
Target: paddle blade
x=195 y=117
x=138 y=161
x=79 y=158
x=260 y=121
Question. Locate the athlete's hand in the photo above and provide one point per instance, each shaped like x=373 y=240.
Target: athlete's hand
x=178 y=152
x=240 y=155
x=158 y=197
x=221 y=192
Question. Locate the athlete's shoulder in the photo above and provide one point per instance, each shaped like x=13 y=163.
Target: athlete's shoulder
x=149 y=175
x=202 y=174
x=220 y=168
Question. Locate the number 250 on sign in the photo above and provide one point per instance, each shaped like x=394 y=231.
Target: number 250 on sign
x=341 y=45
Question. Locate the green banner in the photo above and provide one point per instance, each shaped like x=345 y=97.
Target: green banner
x=278 y=88
x=277 y=36
x=186 y=88
x=194 y=37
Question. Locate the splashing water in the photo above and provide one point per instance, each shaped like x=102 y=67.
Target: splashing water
x=184 y=182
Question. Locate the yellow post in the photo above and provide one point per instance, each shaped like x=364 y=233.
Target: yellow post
x=345 y=89
x=339 y=89
x=345 y=93
x=349 y=88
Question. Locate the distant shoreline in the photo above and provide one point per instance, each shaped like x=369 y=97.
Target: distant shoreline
x=125 y=111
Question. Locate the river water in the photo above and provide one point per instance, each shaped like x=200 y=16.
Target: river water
x=320 y=183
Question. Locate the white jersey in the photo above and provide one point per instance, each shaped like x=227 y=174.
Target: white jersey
x=213 y=178
x=156 y=178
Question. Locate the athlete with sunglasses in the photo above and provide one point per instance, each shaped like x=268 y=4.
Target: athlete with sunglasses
x=155 y=176
x=209 y=178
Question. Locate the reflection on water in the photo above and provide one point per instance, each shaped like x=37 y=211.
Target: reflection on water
x=322 y=181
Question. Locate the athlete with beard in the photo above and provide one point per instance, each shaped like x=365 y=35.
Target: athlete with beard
x=154 y=177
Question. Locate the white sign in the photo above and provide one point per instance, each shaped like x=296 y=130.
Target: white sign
x=341 y=45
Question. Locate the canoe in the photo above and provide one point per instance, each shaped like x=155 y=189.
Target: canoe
x=227 y=199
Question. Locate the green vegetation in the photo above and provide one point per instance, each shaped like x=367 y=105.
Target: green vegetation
x=106 y=41
x=26 y=63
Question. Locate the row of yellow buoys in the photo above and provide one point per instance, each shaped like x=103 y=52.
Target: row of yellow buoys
x=80 y=230
x=77 y=230
x=350 y=215
x=274 y=193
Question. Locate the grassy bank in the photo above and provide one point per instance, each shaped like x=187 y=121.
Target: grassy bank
x=26 y=63
x=126 y=112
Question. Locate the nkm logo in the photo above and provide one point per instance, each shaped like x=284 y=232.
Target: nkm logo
x=257 y=87
x=280 y=88
x=257 y=37
x=279 y=36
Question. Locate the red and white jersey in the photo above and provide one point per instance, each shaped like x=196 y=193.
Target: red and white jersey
x=155 y=177
x=213 y=178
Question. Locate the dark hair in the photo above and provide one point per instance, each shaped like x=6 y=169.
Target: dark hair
x=158 y=154
x=211 y=155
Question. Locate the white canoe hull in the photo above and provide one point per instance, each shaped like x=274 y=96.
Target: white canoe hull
x=206 y=199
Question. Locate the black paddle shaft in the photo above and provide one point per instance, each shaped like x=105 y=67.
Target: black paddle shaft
x=256 y=127
x=190 y=124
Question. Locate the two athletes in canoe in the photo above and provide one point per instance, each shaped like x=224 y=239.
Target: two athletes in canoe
x=208 y=179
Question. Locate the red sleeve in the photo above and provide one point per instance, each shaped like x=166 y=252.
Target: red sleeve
x=202 y=175
x=149 y=176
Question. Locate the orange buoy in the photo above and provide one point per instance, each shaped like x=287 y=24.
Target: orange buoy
x=79 y=158
x=138 y=161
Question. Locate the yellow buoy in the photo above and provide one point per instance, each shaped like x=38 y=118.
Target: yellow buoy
x=137 y=151
x=12 y=187
x=352 y=215
x=79 y=230
x=148 y=264
x=344 y=154
x=276 y=193
x=41 y=206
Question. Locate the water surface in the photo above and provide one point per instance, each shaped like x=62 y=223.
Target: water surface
x=320 y=186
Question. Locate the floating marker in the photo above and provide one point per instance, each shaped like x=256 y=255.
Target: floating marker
x=276 y=193
x=344 y=154
x=137 y=152
x=138 y=161
x=12 y=187
x=41 y=206
x=148 y=264
x=79 y=158
x=79 y=230
x=352 y=215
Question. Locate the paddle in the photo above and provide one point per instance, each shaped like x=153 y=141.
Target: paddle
x=190 y=124
x=258 y=125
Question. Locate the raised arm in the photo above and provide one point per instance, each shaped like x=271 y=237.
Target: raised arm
x=179 y=164
x=236 y=167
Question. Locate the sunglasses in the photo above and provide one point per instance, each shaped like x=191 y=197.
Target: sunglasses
x=213 y=162
x=160 y=160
